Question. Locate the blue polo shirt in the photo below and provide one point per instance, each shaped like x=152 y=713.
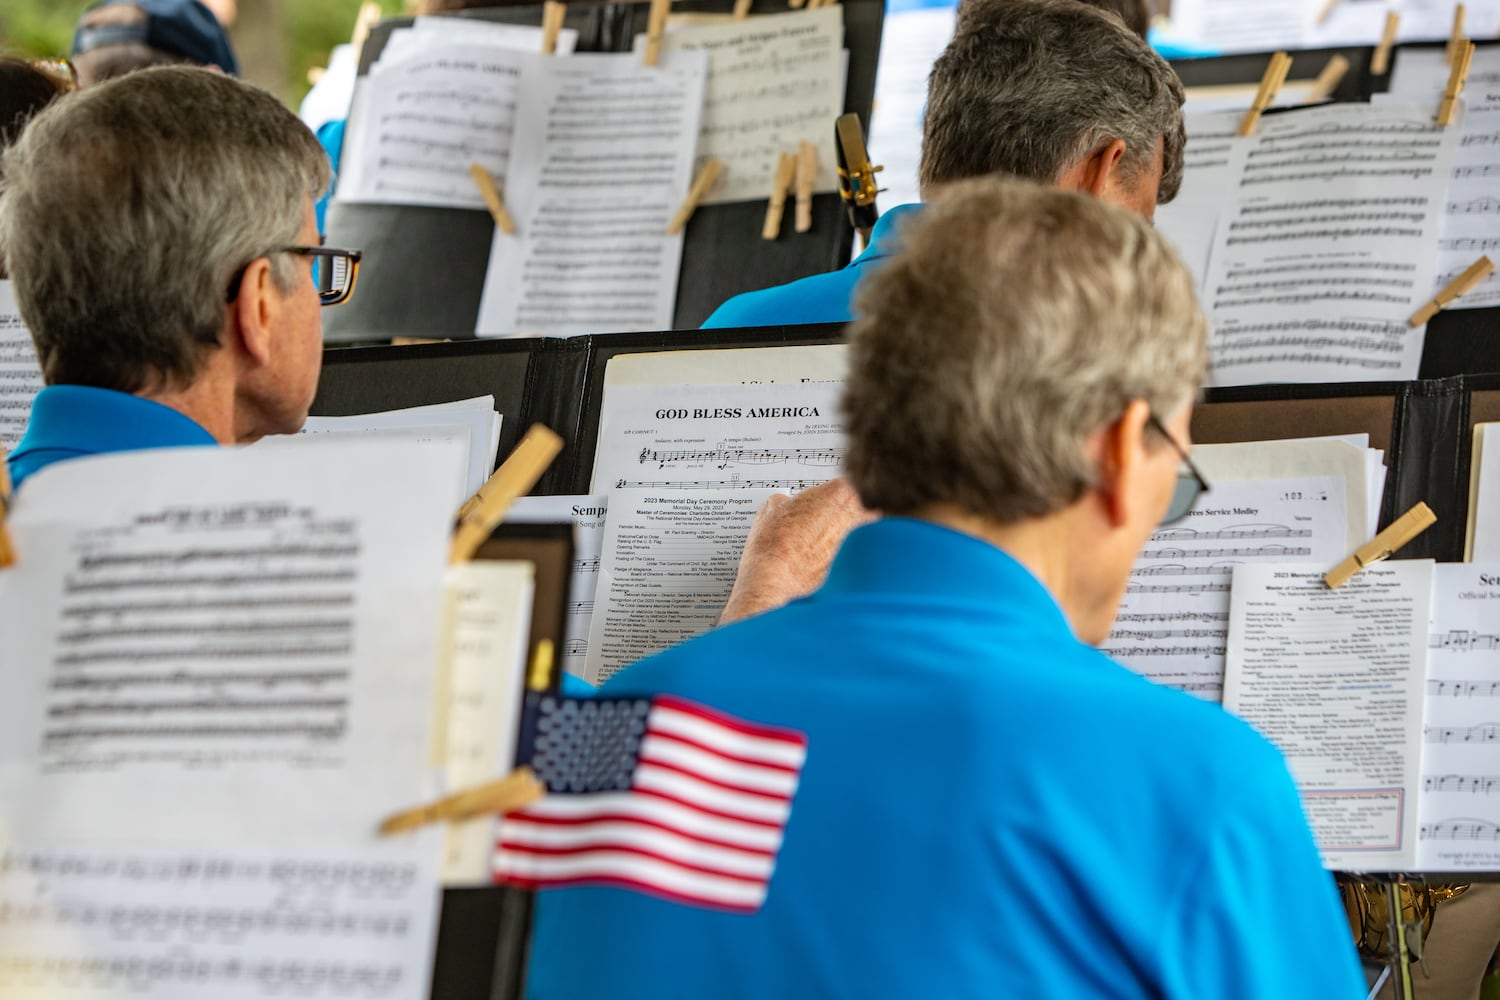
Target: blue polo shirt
x=71 y=421
x=988 y=808
x=819 y=298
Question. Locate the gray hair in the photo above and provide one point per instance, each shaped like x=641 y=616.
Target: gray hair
x=1016 y=321
x=1031 y=87
x=128 y=209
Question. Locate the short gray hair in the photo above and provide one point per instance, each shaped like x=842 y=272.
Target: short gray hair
x=1031 y=87
x=1015 y=321
x=127 y=210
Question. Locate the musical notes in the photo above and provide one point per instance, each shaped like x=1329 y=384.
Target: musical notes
x=1461 y=829
x=722 y=457
x=586 y=513
x=1470 y=784
x=1337 y=210
x=1463 y=689
x=1487 y=732
x=20 y=372
x=1464 y=641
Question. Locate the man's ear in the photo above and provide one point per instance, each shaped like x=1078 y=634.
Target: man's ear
x=1120 y=450
x=1099 y=170
x=253 y=312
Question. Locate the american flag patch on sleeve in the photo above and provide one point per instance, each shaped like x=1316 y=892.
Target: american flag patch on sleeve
x=659 y=795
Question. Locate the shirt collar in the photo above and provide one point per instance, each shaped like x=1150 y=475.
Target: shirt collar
x=84 y=420
x=906 y=557
x=885 y=237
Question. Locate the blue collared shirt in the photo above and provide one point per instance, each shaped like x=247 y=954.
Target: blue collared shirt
x=988 y=807
x=71 y=421
x=819 y=298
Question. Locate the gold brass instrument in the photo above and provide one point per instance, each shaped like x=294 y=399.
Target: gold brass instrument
x=1370 y=917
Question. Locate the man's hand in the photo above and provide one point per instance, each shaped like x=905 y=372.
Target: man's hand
x=791 y=545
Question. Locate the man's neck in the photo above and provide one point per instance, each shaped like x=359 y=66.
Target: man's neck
x=209 y=401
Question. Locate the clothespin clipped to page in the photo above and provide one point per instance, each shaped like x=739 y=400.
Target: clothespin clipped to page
x=1384 y=545
x=707 y=177
x=1327 y=11
x=807 y=174
x=1456 y=36
x=1380 y=63
x=1455 y=289
x=366 y=19
x=796 y=4
x=656 y=26
x=1270 y=86
x=516 y=790
x=479 y=516
x=1328 y=80
x=7 y=550
x=491 y=194
x=1456 y=80
x=553 y=14
x=741 y=9
x=786 y=169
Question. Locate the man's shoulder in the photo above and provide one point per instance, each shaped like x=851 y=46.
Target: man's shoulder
x=818 y=298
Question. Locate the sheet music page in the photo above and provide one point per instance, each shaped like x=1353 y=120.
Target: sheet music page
x=488 y=626
x=1484 y=498
x=1335 y=678
x=1191 y=220
x=604 y=157
x=1458 y=812
x=1236 y=26
x=1327 y=250
x=669 y=562
x=587 y=515
x=794 y=363
x=242 y=640
x=781 y=436
x=20 y=371
x=911 y=40
x=773 y=80
x=1173 y=624
x=226 y=922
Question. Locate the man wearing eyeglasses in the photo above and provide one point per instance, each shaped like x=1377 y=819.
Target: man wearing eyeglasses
x=989 y=806
x=160 y=236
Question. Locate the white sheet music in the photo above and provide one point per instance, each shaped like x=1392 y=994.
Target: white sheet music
x=242 y=640
x=1327 y=250
x=773 y=80
x=230 y=923
x=1173 y=624
x=1237 y=26
x=910 y=42
x=1191 y=220
x=731 y=365
x=783 y=436
x=1335 y=679
x=669 y=562
x=604 y=156
x=587 y=516
x=487 y=625
x=1458 y=812
x=20 y=372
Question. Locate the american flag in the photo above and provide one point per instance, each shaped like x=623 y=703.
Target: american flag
x=659 y=795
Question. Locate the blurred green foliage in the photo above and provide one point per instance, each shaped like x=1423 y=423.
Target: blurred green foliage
x=309 y=30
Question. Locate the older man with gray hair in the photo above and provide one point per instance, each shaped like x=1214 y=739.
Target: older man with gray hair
x=160 y=235
x=989 y=806
x=1057 y=91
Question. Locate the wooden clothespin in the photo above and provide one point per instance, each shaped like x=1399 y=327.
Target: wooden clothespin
x=479 y=516
x=1456 y=36
x=553 y=14
x=1455 y=289
x=7 y=549
x=796 y=4
x=539 y=676
x=1270 y=86
x=786 y=169
x=741 y=9
x=1380 y=63
x=516 y=790
x=1456 y=80
x=656 y=27
x=1327 y=11
x=702 y=184
x=491 y=194
x=367 y=18
x=1328 y=80
x=807 y=173
x=1384 y=545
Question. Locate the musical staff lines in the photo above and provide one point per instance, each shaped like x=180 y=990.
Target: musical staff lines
x=1484 y=732
x=1469 y=784
x=1464 y=641
x=722 y=456
x=1465 y=828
